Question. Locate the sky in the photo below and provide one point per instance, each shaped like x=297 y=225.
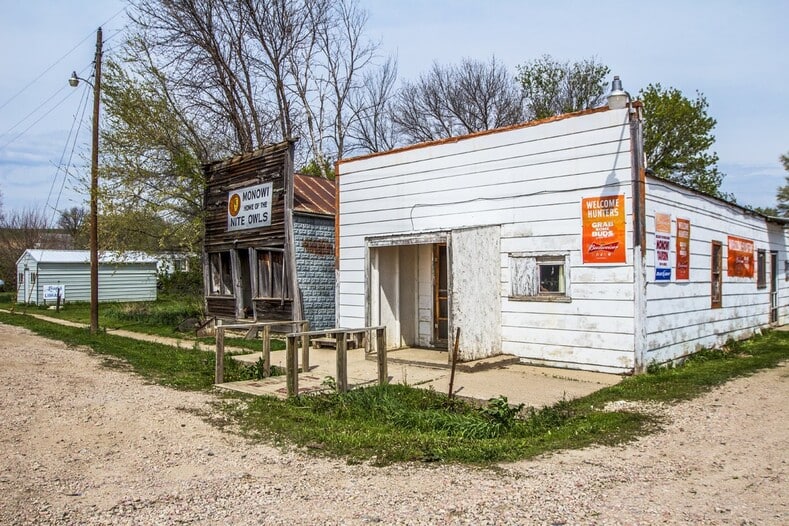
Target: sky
x=736 y=53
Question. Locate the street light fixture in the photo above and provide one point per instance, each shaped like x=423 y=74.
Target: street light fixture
x=94 y=187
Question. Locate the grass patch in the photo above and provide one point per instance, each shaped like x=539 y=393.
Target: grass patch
x=398 y=423
x=174 y=367
x=157 y=318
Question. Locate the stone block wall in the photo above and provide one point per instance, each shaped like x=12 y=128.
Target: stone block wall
x=314 y=239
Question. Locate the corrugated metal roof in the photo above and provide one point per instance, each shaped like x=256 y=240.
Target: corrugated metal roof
x=83 y=256
x=313 y=195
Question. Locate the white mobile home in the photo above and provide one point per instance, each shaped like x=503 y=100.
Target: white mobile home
x=550 y=242
x=122 y=277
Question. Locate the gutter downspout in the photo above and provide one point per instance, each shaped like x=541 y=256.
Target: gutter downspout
x=638 y=164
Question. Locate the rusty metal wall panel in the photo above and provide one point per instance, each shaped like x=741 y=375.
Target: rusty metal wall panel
x=313 y=195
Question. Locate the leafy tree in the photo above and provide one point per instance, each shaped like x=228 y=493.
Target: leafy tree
x=315 y=169
x=767 y=210
x=456 y=100
x=677 y=139
x=151 y=156
x=551 y=87
x=783 y=192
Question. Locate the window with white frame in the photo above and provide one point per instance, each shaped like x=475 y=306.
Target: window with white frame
x=538 y=277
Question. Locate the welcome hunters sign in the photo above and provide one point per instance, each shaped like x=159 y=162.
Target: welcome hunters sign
x=249 y=207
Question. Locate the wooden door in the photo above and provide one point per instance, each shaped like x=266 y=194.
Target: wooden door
x=716 y=278
x=440 y=296
x=773 y=287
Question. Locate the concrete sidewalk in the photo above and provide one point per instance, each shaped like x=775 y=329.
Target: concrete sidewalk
x=427 y=369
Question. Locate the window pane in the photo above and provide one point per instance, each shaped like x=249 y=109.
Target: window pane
x=552 y=278
x=272 y=282
x=761 y=269
x=264 y=274
x=277 y=290
x=227 y=278
x=213 y=261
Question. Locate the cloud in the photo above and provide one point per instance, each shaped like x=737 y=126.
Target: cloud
x=753 y=184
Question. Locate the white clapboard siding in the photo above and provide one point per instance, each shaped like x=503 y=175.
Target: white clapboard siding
x=528 y=181
x=680 y=319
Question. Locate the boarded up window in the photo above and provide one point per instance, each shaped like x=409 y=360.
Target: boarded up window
x=716 y=266
x=538 y=276
x=221 y=273
x=761 y=269
x=272 y=282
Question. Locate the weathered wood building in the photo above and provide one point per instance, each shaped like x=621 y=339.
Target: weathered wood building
x=128 y=276
x=269 y=239
x=549 y=241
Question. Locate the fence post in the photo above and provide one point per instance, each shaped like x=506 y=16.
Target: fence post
x=342 y=362
x=380 y=347
x=219 y=360
x=305 y=346
x=267 y=350
x=292 y=366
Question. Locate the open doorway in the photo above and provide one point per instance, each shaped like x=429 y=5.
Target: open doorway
x=408 y=286
x=423 y=287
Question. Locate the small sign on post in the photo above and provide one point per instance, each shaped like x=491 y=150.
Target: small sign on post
x=53 y=292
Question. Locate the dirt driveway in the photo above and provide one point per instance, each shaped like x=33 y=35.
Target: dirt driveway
x=83 y=444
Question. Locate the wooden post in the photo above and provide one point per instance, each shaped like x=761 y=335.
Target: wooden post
x=305 y=346
x=380 y=347
x=267 y=350
x=342 y=363
x=219 y=370
x=451 y=393
x=292 y=366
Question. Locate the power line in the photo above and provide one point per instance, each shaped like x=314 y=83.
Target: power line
x=60 y=166
x=58 y=61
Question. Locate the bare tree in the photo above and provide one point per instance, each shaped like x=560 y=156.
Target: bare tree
x=19 y=231
x=455 y=100
x=257 y=71
x=374 y=129
x=74 y=222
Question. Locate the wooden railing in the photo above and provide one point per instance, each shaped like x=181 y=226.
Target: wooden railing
x=265 y=327
x=341 y=340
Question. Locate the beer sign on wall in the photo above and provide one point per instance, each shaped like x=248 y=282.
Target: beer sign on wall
x=662 y=247
x=740 y=260
x=603 y=235
x=683 y=248
x=249 y=207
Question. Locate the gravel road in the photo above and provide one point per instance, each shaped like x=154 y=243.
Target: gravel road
x=84 y=444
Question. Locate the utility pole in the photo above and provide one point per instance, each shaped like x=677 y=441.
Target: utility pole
x=94 y=195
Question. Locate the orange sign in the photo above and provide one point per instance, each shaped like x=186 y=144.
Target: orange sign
x=683 y=248
x=234 y=205
x=603 y=229
x=740 y=259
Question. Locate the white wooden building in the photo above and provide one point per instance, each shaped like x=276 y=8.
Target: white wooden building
x=549 y=241
x=122 y=277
